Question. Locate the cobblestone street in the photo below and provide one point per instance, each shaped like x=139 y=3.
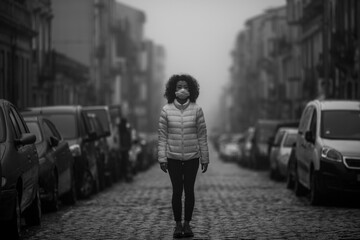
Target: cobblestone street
x=231 y=203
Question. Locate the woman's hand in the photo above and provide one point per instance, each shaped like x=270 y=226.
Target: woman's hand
x=164 y=166
x=204 y=167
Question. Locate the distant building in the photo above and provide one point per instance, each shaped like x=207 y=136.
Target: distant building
x=42 y=62
x=155 y=86
x=82 y=31
x=129 y=56
x=293 y=60
x=341 y=59
x=16 y=75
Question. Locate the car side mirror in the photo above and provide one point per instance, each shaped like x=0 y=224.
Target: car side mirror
x=26 y=139
x=91 y=136
x=309 y=136
x=54 y=141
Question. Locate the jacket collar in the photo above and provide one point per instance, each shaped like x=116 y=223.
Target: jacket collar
x=181 y=106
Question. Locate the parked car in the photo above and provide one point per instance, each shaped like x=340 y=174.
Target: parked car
x=264 y=135
x=19 y=192
x=290 y=123
x=57 y=176
x=246 y=147
x=327 y=149
x=114 y=140
x=103 y=115
x=149 y=142
x=264 y=130
x=230 y=147
x=280 y=152
x=102 y=151
x=73 y=125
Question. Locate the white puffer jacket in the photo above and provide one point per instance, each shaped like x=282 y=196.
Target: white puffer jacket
x=182 y=133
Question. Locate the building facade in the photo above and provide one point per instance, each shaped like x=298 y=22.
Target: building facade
x=16 y=36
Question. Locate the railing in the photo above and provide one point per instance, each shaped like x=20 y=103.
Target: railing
x=15 y=13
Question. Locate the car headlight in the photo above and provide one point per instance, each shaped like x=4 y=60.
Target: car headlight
x=331 y=154
x=75 y=150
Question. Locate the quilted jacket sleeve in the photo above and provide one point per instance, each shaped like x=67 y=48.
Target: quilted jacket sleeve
x=202 y=136
x=162 y=136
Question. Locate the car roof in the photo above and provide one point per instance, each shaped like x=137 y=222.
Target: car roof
x=338 y=104
x=288 y=129
x=98 y=107
x=32 y=118
x=52 y=109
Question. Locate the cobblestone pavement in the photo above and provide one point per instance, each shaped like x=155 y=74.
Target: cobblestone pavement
x=231 y=203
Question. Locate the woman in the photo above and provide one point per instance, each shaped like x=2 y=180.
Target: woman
x=182 y=145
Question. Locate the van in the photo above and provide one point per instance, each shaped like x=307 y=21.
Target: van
x=327 y=149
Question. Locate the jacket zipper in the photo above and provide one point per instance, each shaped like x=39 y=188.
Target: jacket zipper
x=182 y=133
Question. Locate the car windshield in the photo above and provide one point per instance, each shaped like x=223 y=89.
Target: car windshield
x=35 y=129
x=290 y=140
x=102 y=115
x=340 y=124
x=65 y=124
x=279 y=136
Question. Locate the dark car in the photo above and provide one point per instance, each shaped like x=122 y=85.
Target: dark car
x=102 y=151
x=263 y=140
x=114 y=140
x=73 y=125
x=106 y=128
x=19 y=173
x=263 y=130
x=57 y=177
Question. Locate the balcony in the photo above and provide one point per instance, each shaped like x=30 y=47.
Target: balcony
x=15 y=14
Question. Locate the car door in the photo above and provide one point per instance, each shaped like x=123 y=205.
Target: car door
x=302 y=144
x=61 y=154
x=28 y=159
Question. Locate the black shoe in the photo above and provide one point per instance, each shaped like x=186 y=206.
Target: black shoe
x=187 y=230
x=178 y=231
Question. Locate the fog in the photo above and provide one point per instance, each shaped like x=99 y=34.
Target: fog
x=198 y=36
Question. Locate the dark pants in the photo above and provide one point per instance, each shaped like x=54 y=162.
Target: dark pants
x=183 y=175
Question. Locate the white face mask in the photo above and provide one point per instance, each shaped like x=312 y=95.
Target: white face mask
x=182 y=93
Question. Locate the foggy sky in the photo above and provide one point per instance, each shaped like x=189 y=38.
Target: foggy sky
x=198 y=36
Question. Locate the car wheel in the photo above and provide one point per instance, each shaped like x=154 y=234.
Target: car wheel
x=87 y=185
x=53 y=205
x=33 y=212
x=71 y=197
x=316 y=193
